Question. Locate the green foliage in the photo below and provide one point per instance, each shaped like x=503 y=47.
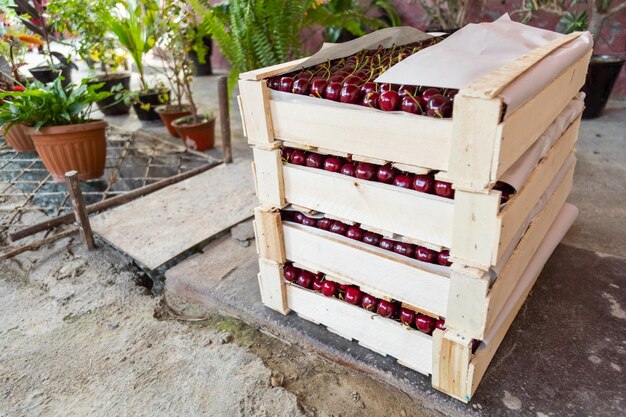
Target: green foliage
x=44 y=105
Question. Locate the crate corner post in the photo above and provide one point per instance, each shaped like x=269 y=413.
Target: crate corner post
x=451 y=364
x=255 y=111
x=272 y=286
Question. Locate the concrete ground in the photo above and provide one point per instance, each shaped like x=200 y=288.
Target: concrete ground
x=79 y=337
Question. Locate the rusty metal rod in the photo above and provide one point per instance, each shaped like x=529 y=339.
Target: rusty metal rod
x=79 y=209
x=108 y=203
x=39 y=243
x=222 y=94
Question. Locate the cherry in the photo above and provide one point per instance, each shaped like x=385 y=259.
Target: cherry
x=389 y=101
x=337 y=78
x=426 y=255
x=407 y=90
x=298 y=217
x=286 y=84
x=430 y=92
x=333 y=164
x=286 y=153
x=505 y=189
x=305 y=279
x=424 y=323
x=363 y=75
x=424 y=183
x=309 y=221
x=451 y=93
x=369 y=302
x=407 y=316
x=389 y=87
x=387 y=309
x=333 y=89
x=403 y=248
x=329 y=288
x=324 y=224
x=444 y=258
x=301 y=86
x=350 y=93
x=369 y=87
x=371 y=100
x=317 y=284
x=314 y=160
x=386 y=174
x=355 y=232
x=413 y=104
x=372 y=238
x=318 y=87
x=274 y=83
x=339 y=227
x=365 y=171
x=348 y=169
x=353 y=296
x=344 y=287
x=443 y=189
x=352 y=79
x=291 y=273
x=298 y=157
x=403 y=180
x=440 y=324
x=439 y=106
x=387 y=244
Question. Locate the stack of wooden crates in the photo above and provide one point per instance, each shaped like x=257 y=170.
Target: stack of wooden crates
x=472 y=150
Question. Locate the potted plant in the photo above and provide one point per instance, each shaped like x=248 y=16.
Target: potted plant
x=94 y=45
x=138 y=25
x=32 y=13
x=593 y=15
x=59 y=123
x=200 y=53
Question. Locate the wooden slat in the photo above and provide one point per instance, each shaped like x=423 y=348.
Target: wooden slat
x=409 y=139
x=490 y=85
x=269 y=234
x=469 y=288
x=407 y=212
x=272 y=286
x=271 y=71
x=269 y=177
x=451 y=358
x=522 y=128
x=373 y=269
x=254 y=106
x=412 y=348
x=475 y=139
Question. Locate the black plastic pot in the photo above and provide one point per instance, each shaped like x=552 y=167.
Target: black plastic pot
x=46 y=75
x=111 y=106
x=601 y=76
x=199 y=68
x=146 y=103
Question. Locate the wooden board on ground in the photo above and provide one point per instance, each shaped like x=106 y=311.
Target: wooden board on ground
x=156 y=228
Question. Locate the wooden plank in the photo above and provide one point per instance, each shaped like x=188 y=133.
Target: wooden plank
x=272 y=286
x=469 y=288
x=451 y=358
x=490 y=85
x=411 y=168
x=256 y=112
x=269 y=177
x=516 y=211
x=522 y=128
x=378 y=205
x=476 y=228
x=412 y=348
x=269 y=234
x=371 y=268
x=162 y=225
x=475 y=139
x=409 y=139
x=271 y=71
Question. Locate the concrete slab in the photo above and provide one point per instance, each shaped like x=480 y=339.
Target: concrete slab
x=563 y=356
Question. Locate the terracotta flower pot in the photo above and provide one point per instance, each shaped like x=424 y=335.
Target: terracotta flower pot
x=79 y=147
x=169 y=113
x=197 y=136
x=19 y=140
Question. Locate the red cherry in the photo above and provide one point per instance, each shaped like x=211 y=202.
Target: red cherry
x=337 y=78
x=426 y=255
x=424 y=183
x=286 y=84
x=344 y=287
x=305 y=279
x=389 y=101
x=505 y=189
x=443 y=189
x=389 y=87
x=369 y=302
x=440 y=324
x=413 y=104
x=329 y=288
x=298 y=217
x=429 y=93
x=386 y=174
x=363 y=75
x=355 y=232
x=439 y=106
x=286 y=153
x=387 y=309
x=407 y=316
x=318 y=87
x=403 y=248
x=451 y=93
x=339 y=227
x=274 y=83
x=350 y=93
x=314 y=160
x=301 y=86
x=309 y=221
x=352 y=79
x=372 y=238
x=298 y=157
x=317 y=284
x=333 y=89
x=387 y=244
x=324 y=224
x=403 y=180
x=368 y=87
x=371 y=100
x=424 y=323
x=444 y=258
x=353 y=296
x=365 y=171
x=407 y=90
x=348 y=169
x=333 y=164
x=291 y=273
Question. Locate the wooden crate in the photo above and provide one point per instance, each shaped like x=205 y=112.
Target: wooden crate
x=474 y=148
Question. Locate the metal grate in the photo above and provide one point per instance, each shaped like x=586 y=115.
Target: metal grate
x=134 y=159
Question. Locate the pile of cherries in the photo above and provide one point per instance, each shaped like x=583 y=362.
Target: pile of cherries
x=351 y=294
x=350 y=80
x=357 y=233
